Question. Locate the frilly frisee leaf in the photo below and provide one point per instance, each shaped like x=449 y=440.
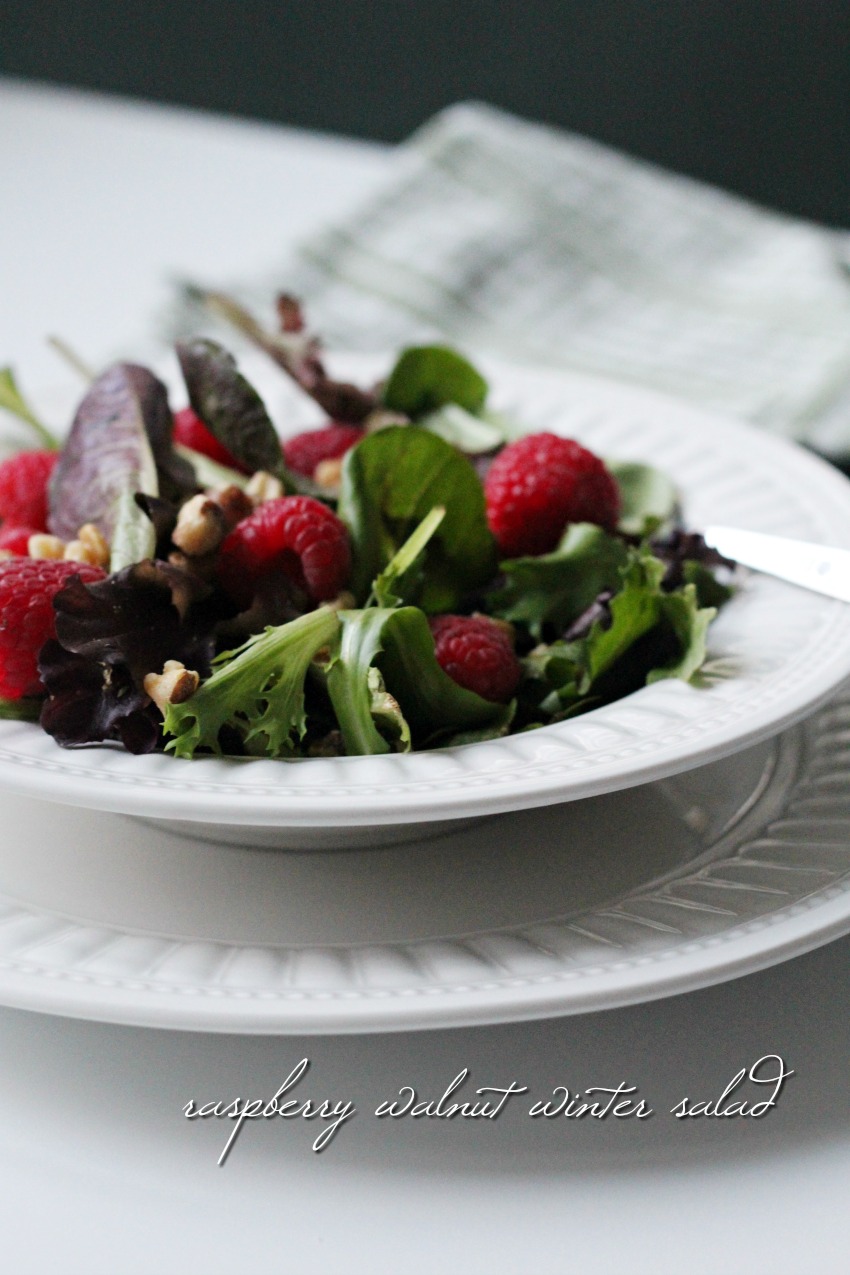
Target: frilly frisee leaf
x=392 y=480
x=257 y=689
x=13 y=401
x=400 y=644
x=230 y=407
x=122 y=422
x=648 y=496
x=426 y=377
x=556 y=587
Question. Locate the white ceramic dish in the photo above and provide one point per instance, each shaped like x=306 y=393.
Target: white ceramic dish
x=585 y=906
x=776 y=653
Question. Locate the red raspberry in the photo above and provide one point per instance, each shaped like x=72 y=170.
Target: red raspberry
x=477 y=654
x=27 y=618
x=190 y=431
x=23 y=488
x=16 y=540
x=305 y=451
x=296 y=536
x=539 y=484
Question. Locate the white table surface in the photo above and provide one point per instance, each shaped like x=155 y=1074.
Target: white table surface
x=101 y=202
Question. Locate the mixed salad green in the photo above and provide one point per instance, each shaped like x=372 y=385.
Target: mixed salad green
x=603 y=613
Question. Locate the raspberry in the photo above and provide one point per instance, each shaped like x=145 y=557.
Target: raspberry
x=477 y=654
x=305 y=451
x=539 y=484
x=16 y=539
x=27 y=618
x=295 y=536
x=190 y=431
x=23 y=488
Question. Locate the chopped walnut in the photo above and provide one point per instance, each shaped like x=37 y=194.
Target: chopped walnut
x=235 y=503
x=174 y=685
x=201 y=527
x=263 y=487
x=42 y=545
x=328 y=473
x=90 y=547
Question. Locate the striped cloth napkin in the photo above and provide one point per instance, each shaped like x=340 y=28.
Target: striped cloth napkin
x=517 y=238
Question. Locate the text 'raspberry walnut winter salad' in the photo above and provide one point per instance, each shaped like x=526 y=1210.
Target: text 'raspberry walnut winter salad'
x=401 y=578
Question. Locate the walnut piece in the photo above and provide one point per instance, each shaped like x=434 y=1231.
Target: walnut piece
x=174 y=685
x=263 y=487
x=90 y=546
x=328 y=473
x=42 y=545
x=201 y=527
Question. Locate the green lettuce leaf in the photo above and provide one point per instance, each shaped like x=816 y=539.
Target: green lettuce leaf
x=399 y=643
x=556 y=587
x=649 y=634
x=390 y=482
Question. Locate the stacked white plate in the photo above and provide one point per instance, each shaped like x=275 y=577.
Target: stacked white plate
x=683 y=835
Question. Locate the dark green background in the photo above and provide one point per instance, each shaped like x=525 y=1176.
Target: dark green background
x=751 y=94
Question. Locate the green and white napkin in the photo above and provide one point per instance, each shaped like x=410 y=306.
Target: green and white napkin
x=505 y=236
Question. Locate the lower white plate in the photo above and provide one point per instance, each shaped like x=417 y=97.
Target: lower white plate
x=598 y=903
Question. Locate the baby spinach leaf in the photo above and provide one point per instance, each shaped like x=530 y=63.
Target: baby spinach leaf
x=556 y=587
x=121 y=423
x=400 y=644
x=426 y=377
x=229 y=406
x=390 y=482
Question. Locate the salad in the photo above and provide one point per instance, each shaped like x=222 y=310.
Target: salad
x=414 y=573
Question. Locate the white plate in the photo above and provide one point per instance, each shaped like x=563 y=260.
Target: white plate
x=776 y=652
x=586 y=906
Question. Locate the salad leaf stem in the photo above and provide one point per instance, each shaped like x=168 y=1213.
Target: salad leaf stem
x=13 y=401
x=405 y=559
x=72 y=358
